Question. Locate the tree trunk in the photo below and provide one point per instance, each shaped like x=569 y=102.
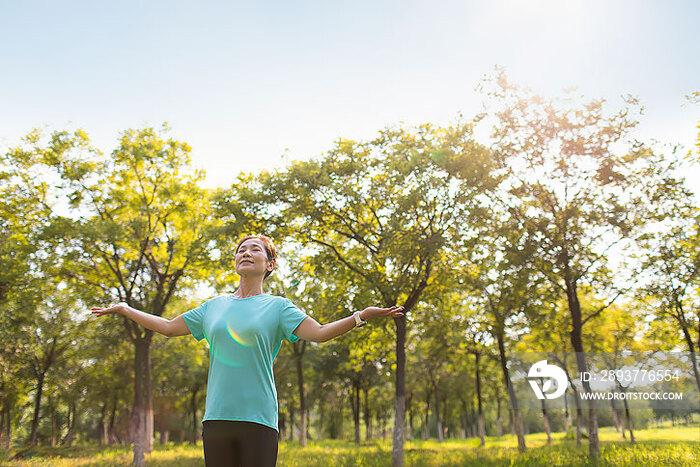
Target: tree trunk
x=112 y=437
x=475 y=419
x=445 y=420
x=436 y=385
x=308 y=417
x=463 y=418
x=291 y=423
x=545 y=421
x=102 y=438
x=400 y=407
x=579 y=411
x=193 y=409
x=142 y=395
x=53 y=426
x=37 y=406
x=567 y=414
x=320 y=418
x=299 y=348
x=105 y=434
x=426 y=428
x=409 y=411
x=340 y=422
x=72 y=423
x=355 y=404
x=517 y=420
x=615 y=418
x=149 y=416
x=630 y=425
x=482 y=431
x=691 y=348
x=579 y=423
x=577 y=343
x=499 y=425
x=368 y=418
x=470 y=424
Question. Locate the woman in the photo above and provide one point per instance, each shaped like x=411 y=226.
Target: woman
x=245 y=330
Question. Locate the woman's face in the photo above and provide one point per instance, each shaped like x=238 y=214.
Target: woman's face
x=251 y=258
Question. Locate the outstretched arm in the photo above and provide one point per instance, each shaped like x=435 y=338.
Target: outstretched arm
x=167 y=327
x=311 y=330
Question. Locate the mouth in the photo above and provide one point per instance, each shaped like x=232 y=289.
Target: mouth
x=246 y=261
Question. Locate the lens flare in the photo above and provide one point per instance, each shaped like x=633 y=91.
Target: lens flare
x=226 y=358
x=237 y=338
x=233 y=353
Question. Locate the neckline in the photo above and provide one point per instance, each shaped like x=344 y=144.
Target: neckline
x=247 y=298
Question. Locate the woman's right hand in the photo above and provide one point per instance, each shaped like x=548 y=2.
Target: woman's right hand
x=117 y=309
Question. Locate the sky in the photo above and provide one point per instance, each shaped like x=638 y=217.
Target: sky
x=252 y=85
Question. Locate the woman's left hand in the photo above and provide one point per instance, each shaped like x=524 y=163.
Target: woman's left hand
x=376 y=312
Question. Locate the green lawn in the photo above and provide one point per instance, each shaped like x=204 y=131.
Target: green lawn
x=677 y=446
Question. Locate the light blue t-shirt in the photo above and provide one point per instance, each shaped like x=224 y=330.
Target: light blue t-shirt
x=244 y=336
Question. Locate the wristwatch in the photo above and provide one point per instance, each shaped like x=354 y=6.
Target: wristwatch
x=358 y=321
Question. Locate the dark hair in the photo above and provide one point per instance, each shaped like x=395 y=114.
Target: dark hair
x=269 y=249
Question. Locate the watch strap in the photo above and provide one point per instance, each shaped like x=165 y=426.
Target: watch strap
x=358 y=321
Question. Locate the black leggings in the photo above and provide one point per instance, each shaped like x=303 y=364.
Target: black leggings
x=233 y=443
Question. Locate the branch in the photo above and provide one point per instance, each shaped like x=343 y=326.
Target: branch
x=353 y=235
x=129 y=328
x=139 y=262
x=343 y=260
x=379 y=223
x=597 y=257
x=418 y=289
x=599 y=310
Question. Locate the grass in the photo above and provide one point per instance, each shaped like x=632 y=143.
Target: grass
x=668 y=446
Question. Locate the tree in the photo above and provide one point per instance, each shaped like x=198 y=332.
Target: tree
x=615 y=335
x=504 y=283
x=25 y=253
x=137 y=235
x=671 y=259
x=107 y=370
x=384 y=210
x=180 y=368
x=50 y=334
x=549 y=333
x=578 y=196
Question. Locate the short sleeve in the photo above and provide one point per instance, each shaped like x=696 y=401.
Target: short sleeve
x=194 y=319
x=290 y=318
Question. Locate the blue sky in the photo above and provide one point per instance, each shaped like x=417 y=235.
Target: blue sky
x=245 y=83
